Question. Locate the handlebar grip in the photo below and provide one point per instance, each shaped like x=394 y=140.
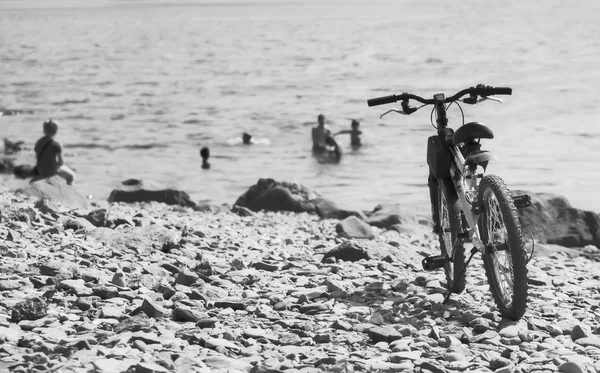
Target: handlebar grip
x=502 y=91
x=382 y=100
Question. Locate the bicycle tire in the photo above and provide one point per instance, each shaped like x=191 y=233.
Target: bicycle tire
x=501 y=233
x=450 y=227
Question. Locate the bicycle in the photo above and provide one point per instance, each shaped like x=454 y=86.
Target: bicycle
x=469 y=205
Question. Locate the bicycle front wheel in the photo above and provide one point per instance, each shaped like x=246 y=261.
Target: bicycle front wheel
x=450 y=228
x=505 y=259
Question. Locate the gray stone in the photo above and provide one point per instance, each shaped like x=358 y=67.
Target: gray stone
x=152 y=309
x=187 y=315
x=383 y=334
x=187 y=278
x=30 y=309
x=353 y=227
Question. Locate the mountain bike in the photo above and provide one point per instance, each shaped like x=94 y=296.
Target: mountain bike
x=468 y=205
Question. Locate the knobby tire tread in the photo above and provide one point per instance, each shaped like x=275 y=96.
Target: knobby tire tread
x=518 y=254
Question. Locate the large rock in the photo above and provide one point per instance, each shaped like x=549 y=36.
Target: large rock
x=388 y=215
x=57 y=194
x=552 y=220
x=278 y=199
x=134 y=190
x=270 y=195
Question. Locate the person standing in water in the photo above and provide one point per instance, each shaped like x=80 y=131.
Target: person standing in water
x=320 y=133
x=49 y=155
x=355 y=133
x=205 y=153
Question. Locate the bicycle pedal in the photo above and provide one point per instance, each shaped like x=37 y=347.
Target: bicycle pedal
x=432 y=263
x=522 y=201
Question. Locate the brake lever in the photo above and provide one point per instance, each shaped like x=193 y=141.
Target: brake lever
x=392 y=110
x=493 y=98
x=474 y=100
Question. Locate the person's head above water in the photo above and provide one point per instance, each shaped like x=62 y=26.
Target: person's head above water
x=247 y=138
x=204 y=153
x=354 y=124
x=50 y=127
x=321 y=119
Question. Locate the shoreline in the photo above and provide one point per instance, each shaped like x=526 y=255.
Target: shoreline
x=158 y=288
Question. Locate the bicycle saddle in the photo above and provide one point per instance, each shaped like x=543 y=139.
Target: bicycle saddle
x=471 y=131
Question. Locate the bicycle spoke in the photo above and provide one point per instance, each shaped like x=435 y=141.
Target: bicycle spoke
x=498 y=237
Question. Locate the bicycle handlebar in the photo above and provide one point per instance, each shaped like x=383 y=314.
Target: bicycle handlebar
x=479 y=90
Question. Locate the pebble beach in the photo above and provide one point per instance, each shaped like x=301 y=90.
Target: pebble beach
x=148 y=287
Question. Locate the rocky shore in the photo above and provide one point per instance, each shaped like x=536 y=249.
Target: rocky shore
x=150 y=287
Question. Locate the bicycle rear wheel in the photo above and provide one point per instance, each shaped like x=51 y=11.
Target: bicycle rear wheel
x=450 y=227
x=505 y=259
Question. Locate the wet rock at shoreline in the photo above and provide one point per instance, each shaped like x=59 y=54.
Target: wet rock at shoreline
x=133 y=190
x=552 y=220
x=271 y=195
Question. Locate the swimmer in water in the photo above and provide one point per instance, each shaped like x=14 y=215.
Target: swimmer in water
x=205 y=153
x=355 y=133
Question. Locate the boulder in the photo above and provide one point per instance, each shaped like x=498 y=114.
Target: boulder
x=552 y=220
x=270 y=195
x=278 y=199
x=353 y=227
x=133 y=190
x=388 y=215
x=57 y=195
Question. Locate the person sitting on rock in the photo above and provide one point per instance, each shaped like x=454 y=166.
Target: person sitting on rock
x=49 y=155
x=355 y=133
x=205 y=153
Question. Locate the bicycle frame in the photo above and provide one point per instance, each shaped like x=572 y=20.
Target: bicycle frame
x=461 y=174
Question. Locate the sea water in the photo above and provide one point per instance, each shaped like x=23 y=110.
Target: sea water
x=140 y=86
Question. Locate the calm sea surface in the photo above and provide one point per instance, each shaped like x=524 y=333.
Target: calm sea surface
x=139 y=87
